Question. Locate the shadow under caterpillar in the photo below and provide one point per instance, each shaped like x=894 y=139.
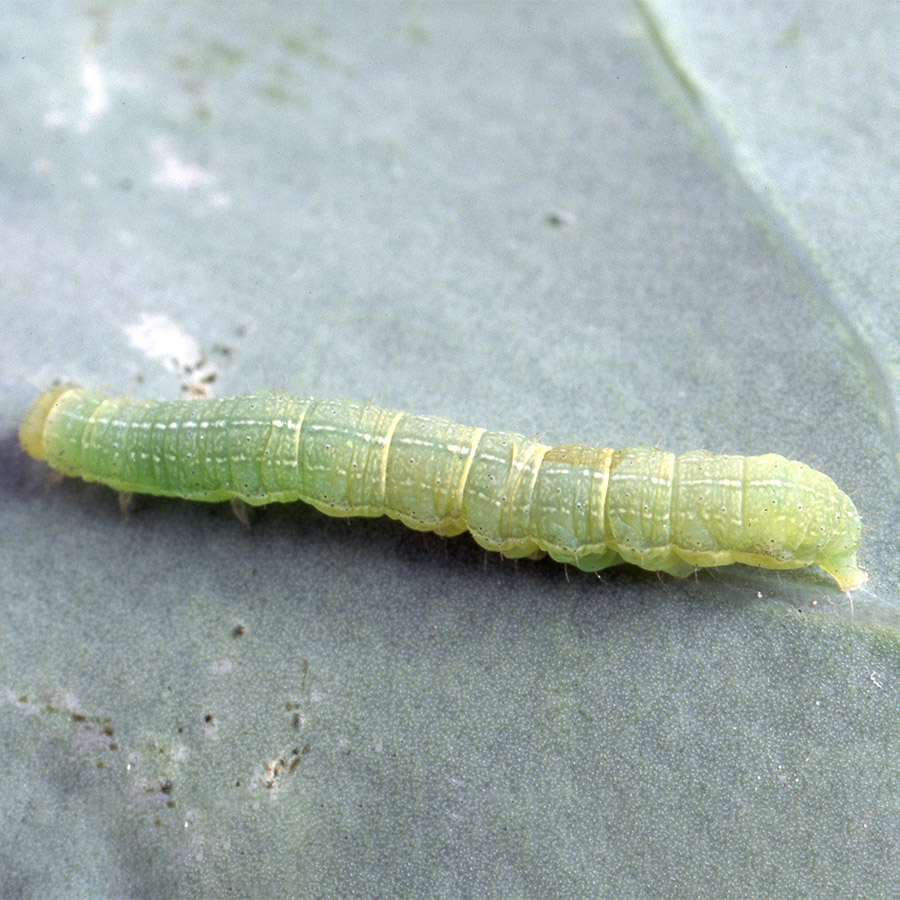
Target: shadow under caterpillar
x=588 y=506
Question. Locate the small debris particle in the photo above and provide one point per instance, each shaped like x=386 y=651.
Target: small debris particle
x=559 y=218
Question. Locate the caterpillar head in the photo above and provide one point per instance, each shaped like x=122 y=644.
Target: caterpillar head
x=31 y=431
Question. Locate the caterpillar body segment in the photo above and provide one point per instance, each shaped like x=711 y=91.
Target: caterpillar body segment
x=586 y=506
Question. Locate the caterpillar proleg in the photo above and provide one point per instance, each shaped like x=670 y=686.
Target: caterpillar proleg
x=588 y=506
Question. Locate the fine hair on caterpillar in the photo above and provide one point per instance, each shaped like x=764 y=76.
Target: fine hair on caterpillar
x=590 y=507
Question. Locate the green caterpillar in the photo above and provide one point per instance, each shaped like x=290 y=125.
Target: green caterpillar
x=587 y=506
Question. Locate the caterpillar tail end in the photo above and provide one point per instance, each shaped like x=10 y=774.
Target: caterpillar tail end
x=849 y=578
x=31 y=431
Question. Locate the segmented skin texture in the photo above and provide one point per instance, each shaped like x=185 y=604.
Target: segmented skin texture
x=587 y=506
